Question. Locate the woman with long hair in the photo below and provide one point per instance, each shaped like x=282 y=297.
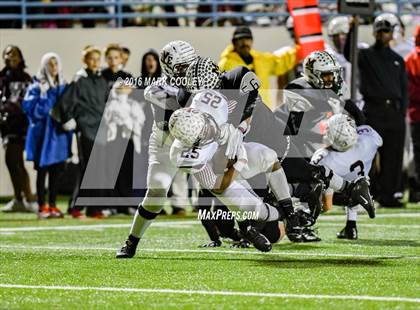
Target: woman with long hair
x=13 y=125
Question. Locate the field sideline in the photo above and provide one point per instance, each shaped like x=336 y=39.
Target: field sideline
x=64 y=264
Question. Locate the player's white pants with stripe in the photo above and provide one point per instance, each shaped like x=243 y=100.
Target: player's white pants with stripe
x=161 y=171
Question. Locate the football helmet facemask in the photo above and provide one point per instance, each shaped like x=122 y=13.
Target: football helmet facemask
x=319 y=64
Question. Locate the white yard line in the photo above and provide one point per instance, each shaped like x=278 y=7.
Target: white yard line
x=408 y=226
x=186 y=223
x=211 y=251
x=213 y=293
x=362 y=214
x=178 y=224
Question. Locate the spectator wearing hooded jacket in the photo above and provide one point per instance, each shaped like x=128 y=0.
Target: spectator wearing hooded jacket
x=412 y=63
x=81 y=107
x=47 y=144
x=13 y=125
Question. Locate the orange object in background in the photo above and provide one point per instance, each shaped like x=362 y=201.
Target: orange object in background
x=307 y=26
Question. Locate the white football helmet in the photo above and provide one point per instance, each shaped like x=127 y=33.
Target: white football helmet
x=319 y=62
x=203 y=73
x=193 y=127
x=337 y=25
x=341 y=132
x=175 y=57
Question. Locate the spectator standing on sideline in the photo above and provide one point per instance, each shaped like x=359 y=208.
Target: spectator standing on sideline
x=264 y=65
x=81 y=107
x=13 y=125
x=383 y=84
x=113 y=58
x=119 y=108
x=47 y=144
x=412 y=62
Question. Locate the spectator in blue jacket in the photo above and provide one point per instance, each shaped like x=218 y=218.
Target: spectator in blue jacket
x=47 y=144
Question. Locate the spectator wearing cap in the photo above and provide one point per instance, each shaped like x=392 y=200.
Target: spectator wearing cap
x=263 y=64
x=412 y=62
x=383 y=84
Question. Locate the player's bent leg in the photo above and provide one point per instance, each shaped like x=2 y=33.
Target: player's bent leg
x=159 y=179
x=359 y=193
x=239 y=199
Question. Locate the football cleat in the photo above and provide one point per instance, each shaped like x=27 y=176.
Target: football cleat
x=359 y=193
x=293 y=228
x=242 y=244
x=129 y=248
x=305 y=219
x=258 y=240
x=348 y=233
x=309 y=235
x=212 y=244
x=313 y=197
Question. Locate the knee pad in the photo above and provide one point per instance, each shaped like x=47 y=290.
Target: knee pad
x=146 y=213
x=154 y=200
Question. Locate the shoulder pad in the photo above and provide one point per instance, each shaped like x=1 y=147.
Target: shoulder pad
x=366 y=130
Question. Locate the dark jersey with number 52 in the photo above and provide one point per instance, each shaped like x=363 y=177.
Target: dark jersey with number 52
x=240 y=87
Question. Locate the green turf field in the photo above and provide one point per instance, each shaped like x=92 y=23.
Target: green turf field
x=69 y=264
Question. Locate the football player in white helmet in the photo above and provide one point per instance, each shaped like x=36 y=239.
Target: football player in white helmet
x=240 y=86
x=175 y=58
x=201 y=132
x=350 y=153
x=338 y=29
x=322 y=71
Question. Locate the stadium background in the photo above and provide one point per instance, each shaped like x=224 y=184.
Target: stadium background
x=69 y=42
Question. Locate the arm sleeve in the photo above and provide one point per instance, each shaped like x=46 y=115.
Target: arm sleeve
x=404 y=90
x=355 y=112
x=206 y=177
x=282 y=63
x=226 y=64
x=248 y=84
x=67 y=104
x=30 y=101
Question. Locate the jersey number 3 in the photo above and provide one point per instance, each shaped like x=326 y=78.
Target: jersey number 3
x=359 y=164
